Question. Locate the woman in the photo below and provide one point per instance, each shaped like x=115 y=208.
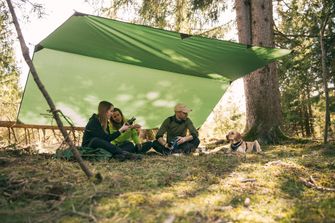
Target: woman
x=96 y=134
x=131 y=134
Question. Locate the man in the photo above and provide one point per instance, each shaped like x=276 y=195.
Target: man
x=181 y=135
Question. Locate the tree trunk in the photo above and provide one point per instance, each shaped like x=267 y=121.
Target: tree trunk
x=325 y=79
x=301 y=121
x=307 y=123
x=305 y=115
x=310 y=111
x=25 y=52
x=334 y=95
x=243 y=15
x=181 y=16
x=263 y=111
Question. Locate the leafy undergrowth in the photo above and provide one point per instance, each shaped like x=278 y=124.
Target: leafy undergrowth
x=218 y=187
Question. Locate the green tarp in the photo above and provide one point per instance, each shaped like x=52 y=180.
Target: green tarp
x=142 y=70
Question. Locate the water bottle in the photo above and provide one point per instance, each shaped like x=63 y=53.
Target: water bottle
x=174 y=143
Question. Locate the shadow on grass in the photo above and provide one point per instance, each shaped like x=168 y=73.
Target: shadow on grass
x=326 y=150
x=310 y=205
x=293 y=141
x=315 y=207
x=292 y=187
x=150 y=187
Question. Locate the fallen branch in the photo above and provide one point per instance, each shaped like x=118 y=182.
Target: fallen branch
x=82 y=214
x=11 y=194
x=57 y=203
x=248 y=180
x=312 y=184
x=97 y=195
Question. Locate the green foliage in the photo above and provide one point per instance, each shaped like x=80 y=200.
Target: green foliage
x=178 y=15
x=301 y=74
x=9 y=74
x=227 y=119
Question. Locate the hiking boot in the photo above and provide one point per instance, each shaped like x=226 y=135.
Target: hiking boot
x=120 y=157
x=166 y=152
x=131 y=156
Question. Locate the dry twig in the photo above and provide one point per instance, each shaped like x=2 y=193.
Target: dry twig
x=81 y=214
x=248 y=180
x=312 y=184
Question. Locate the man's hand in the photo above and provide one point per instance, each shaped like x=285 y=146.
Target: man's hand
x=135 y=126
x=180 y=140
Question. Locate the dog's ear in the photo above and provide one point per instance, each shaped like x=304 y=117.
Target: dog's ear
x=238 y=136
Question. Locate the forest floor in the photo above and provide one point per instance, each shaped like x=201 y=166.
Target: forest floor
x=286 y=183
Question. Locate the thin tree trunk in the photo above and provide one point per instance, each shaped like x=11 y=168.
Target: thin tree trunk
x=334 y=95
x=306 y=122
x=301 y=122
x=325 y=80
x=263 y=111
x=181 y=16
x=310 y=111
x=306 y=117
x=25 y=52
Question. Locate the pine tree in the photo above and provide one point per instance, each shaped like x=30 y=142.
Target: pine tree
x=263 y=111
x=301 y=75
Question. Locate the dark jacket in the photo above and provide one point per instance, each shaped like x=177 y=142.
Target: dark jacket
x=94 y=129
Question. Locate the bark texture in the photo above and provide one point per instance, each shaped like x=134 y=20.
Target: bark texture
x=263 y=110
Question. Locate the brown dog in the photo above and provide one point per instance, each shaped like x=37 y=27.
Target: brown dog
x=237 y=144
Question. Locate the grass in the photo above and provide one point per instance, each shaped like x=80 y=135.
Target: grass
x=207 y=188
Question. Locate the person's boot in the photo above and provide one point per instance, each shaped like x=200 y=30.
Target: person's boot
x=131 y=156
x=166 y=152
x=120 y=157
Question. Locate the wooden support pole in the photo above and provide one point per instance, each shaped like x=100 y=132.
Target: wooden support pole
x=9 y=141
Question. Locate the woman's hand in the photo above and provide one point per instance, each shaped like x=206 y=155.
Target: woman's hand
x=124 y=128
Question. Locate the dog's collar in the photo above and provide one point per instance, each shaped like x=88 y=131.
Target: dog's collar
x=235 y=145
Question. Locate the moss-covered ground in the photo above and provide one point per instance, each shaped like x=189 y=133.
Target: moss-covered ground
x=218 y=187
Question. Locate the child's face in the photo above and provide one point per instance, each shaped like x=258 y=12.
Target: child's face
x=116 y=116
